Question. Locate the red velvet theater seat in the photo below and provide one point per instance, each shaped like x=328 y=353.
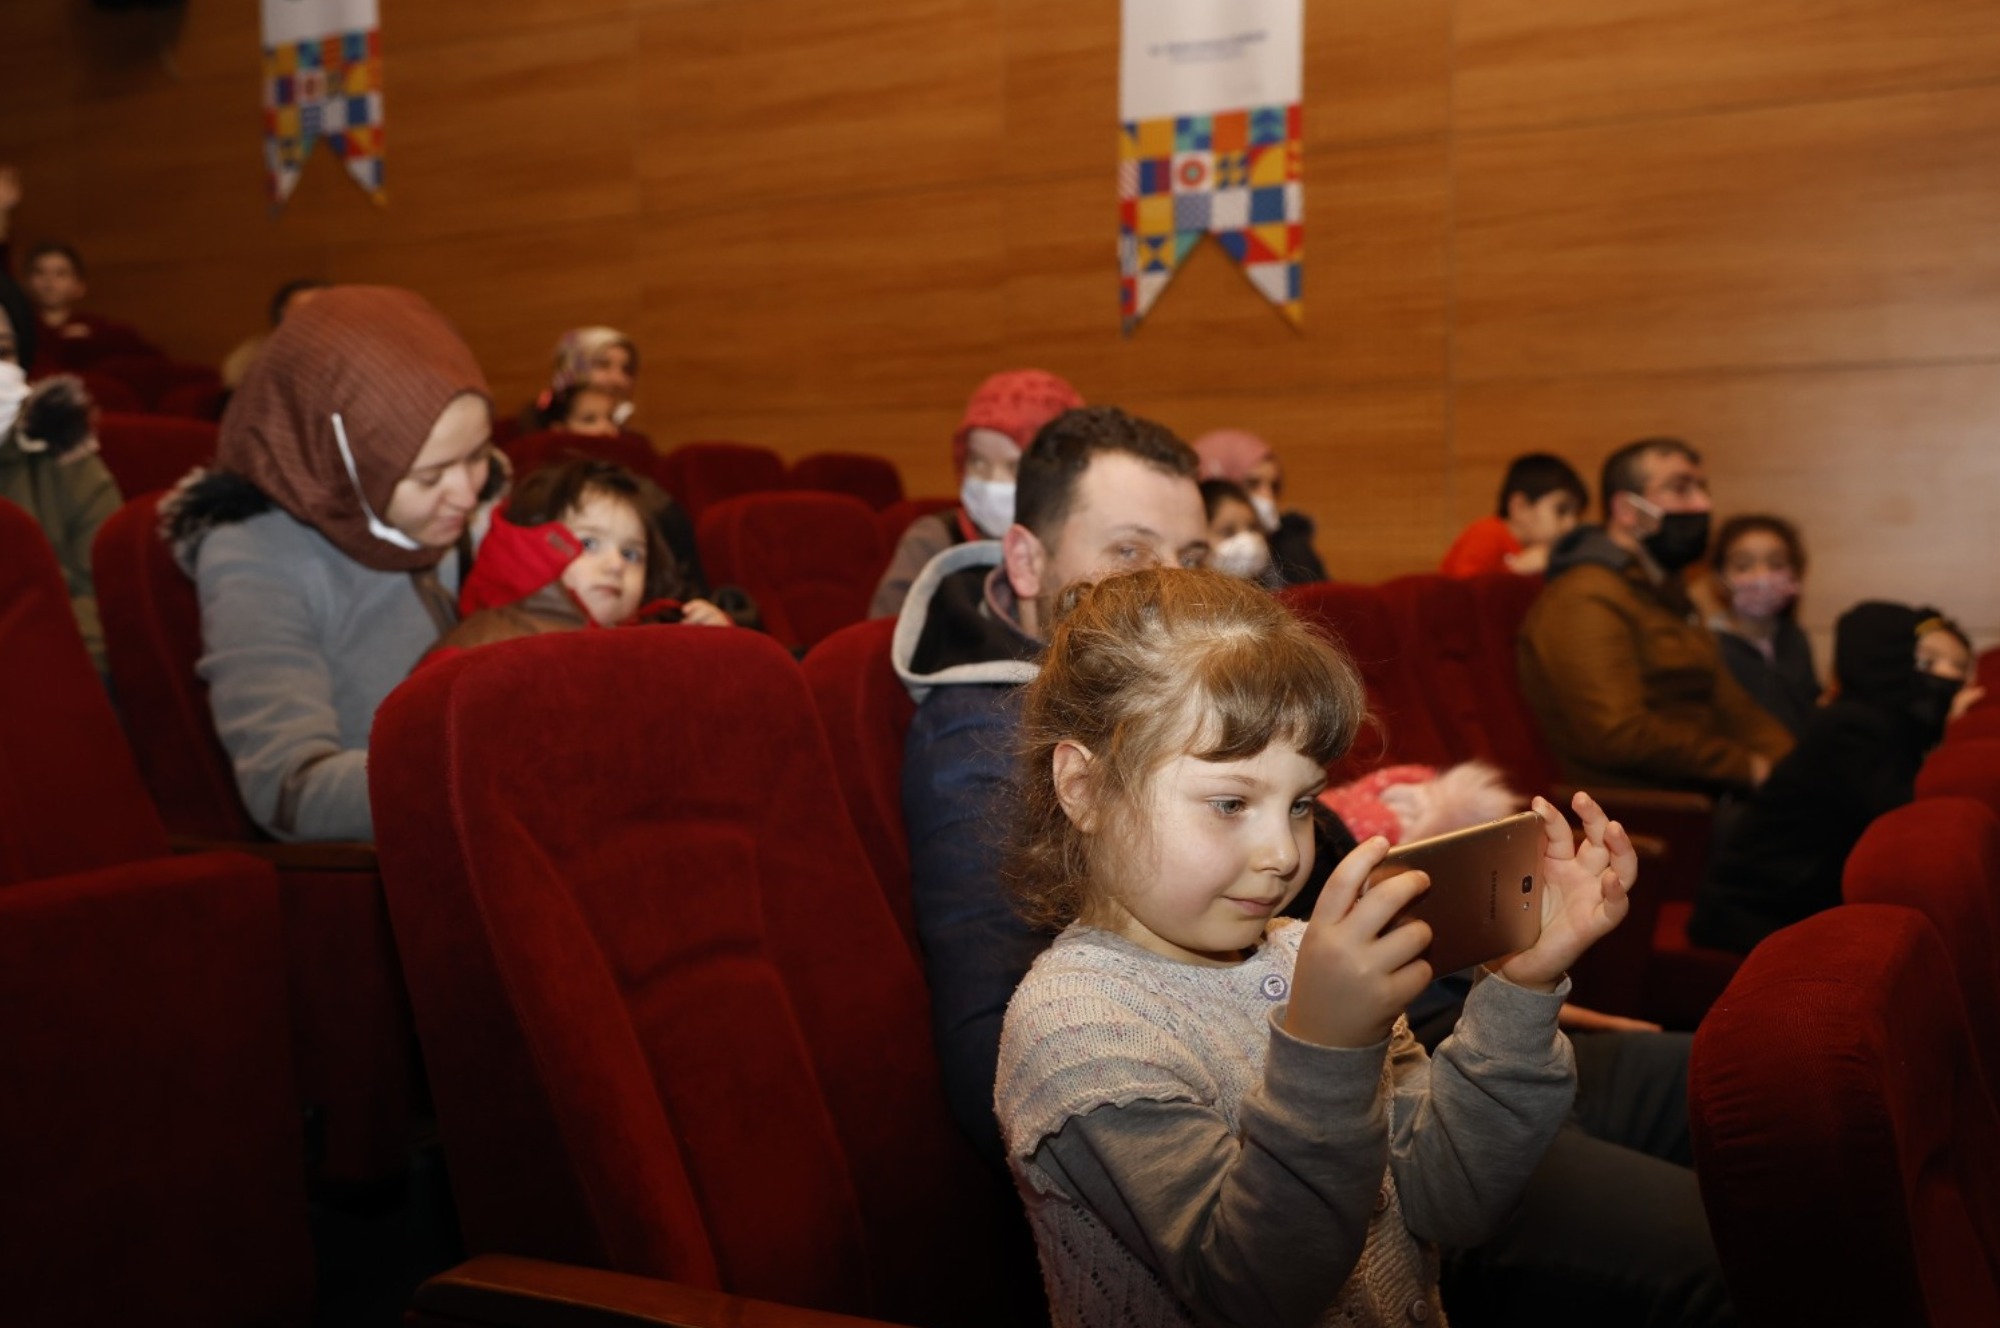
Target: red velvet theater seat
x=1968 y=769
x=146 y=453
x=1979 y=724
x=153 y=376
x=534 y=450
x=193 y=401
x=152 y=1156
x=866 y=712
x=111 y=394
x=1848 y=1154
x=706 y=473
x=671 y=1026
x=1401 y=727
x=872 y=479
x=350 y=1019
x=810 y=560
x=1941 y=857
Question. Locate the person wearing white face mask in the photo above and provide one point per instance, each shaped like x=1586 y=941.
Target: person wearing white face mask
x=1751 y=597
x=1001 y=419
x=1247 y=460
x=1236 y=540
x=49 y=463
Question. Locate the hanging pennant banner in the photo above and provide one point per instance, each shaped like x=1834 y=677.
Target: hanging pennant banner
x=322 y=79
x=1209 y=144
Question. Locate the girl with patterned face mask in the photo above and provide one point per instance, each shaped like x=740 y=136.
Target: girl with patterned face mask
x=1755 y=569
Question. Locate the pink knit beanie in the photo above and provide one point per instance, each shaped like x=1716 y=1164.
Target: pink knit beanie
x=1017 y=403
x=1230 y=454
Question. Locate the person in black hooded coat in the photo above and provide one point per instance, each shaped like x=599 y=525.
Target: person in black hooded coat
x=1901 y=674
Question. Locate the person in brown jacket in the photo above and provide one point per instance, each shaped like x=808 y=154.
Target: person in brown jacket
x=1629 y=686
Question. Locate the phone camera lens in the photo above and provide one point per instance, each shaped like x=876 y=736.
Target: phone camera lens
x=1527 y=885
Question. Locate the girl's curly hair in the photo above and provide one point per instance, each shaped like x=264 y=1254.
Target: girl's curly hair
x=1149 y=665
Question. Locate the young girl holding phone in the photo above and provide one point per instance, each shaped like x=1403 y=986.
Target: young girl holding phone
x=1214 y=1114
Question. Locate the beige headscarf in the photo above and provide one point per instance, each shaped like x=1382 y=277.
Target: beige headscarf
x=389 y=363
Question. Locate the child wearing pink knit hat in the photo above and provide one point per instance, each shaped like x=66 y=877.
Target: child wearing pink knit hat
x=1243 y=458
x=1002 y=417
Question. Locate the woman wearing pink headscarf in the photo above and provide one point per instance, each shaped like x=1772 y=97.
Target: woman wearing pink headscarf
x=1243 y=458
x=1002 y=418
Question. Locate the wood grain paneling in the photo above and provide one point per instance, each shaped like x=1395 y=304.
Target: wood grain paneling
x=825 y=307
x=1890 y=473
x=1839 y=232
x=866 y=96
x=1544 y=62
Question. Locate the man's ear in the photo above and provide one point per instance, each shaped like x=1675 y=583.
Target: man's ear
x=1072 y=778
x=1026 y=561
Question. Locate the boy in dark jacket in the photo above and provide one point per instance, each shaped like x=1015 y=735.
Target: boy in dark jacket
x=1901 y=674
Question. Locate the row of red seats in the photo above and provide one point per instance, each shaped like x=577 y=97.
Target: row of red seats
x=154 y=1169
x=1843 y=1090
x=662 y=991
x=810 y=558
x=716 y=1079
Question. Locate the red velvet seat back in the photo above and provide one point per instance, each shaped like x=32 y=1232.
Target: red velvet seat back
x=896 y=518
x=705 y=474
x=1981 y=723
x=71 y=799
x=866 y=712
x=1941 y=857
x=810 y=560
x=1401 y=728
x=1846 y=1148
x=112 y=395
x=152 y=637
x=1435 y=620
x=1499 y=604
x=874 y=480
x=1968 y=769
x=671 y=1025
x=194 y=401
x=146 y=453
x=151 y=377
x=532 y=451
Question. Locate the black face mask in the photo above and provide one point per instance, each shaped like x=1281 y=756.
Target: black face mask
x=1931 y=706
x=1681 y=540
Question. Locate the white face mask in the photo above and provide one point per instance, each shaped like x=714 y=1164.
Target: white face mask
x=990 y=504
x=1244 y=554
x=13 y=391
x=377 y=527
x=1267 y=511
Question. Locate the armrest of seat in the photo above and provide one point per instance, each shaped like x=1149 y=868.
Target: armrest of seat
x=333 y=855
x=501 y=1291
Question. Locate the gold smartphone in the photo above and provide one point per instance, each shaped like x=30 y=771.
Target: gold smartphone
x=1485 y=899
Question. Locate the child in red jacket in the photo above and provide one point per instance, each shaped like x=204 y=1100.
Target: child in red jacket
x=576 y=545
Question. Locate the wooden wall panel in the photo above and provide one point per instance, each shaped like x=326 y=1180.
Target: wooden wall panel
x=1556 y=223
x=1525 y=63
x=867 y=96
x=1858 y=231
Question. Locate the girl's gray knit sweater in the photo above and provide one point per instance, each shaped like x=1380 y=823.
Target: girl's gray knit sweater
x=1184 y=1160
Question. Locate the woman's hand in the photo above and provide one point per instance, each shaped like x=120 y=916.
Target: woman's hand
x=1585 y=888
x=703 y=614
x=1353 y=978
